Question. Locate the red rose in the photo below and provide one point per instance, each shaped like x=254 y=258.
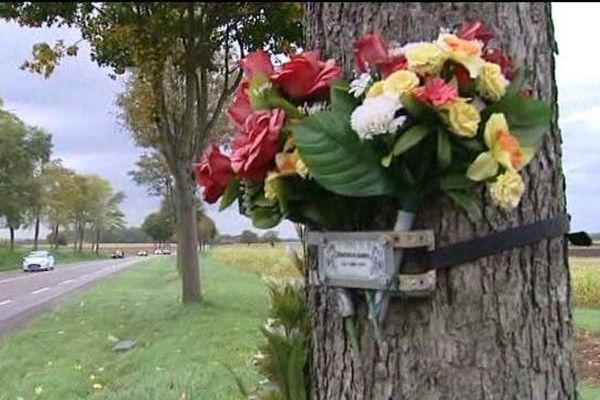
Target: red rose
x=306 y=76
x=371 y=51
x=476 y=31
x=256 y=63
x=497 y=56
x=240 y=108
x=436 y=92
x=256 y=144
x=214 y=174
x=462 y=75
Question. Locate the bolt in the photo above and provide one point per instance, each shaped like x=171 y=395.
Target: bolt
x=384 y=280
x=384 y=240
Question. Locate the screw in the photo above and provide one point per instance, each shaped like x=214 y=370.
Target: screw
x=384 y=240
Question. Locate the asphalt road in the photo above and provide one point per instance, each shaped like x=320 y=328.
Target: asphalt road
x=23 y=295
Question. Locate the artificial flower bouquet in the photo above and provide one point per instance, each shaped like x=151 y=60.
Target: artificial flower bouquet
x=418 y=120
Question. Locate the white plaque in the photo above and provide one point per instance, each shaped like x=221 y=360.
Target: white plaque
x=356 y=262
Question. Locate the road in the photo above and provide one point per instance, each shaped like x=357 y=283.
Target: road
x=24 y=295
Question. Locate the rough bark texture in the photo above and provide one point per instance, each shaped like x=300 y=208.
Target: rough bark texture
x=498 y=328
x=36 y=234
x=187 y=235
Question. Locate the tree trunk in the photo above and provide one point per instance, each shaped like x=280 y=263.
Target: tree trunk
x=55 y=237
x=12 y=238
x=97 y=250
x=187 y=234
x=497 y=328
x=80 y=234
x=36 y=234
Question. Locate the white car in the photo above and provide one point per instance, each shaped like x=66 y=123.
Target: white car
x=158 y=252
x=38 y=261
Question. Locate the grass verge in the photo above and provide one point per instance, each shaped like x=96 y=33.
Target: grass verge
x=12 y=259
x=181 y=352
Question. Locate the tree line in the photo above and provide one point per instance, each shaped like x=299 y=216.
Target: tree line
x=37 y=190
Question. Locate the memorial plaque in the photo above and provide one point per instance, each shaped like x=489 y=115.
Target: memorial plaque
x=356 y=260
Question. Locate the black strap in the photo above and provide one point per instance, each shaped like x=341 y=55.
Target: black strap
x=496 y=242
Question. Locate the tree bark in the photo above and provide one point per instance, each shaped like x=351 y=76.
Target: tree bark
x=187 y=234
x=97 y=249
x=497 y=328
x=12 y=238
x=36 y=234
x=55 y=237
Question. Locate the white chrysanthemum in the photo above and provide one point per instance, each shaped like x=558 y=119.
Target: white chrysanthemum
x=376 y=116
x=312 y=108
x=360 y=85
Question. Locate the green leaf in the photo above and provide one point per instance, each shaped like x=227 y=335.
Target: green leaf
x=517 y=83
x=295 y=370
x=444 y=149
x=266 y=217
x=232 y=191
x=528 y=119
x=415 y=108
x=341 y=99
x=466 y=201
x=337 y=159
x=455 y=181
x=410 y=138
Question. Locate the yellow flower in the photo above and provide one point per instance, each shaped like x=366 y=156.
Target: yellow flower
x=463 y=118
x=400 y=82
x=271 y=185
x=424 y=58
x=375 y=90
x=505 y=150
x=491 y=84
x=464 y=52
x=289 y=163
x=301 y=168
x=507 y=190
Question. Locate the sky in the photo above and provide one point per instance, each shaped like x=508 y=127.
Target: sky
x=77 y=105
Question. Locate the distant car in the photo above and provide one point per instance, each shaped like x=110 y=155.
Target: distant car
x=118 y=254
x=38 y=261
x=158 y=252
x=166 y=252
x=142 y=253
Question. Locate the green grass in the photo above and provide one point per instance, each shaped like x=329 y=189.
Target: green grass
x=587 y=318
x=588 y=392
x=180 y=349
x=12 y=259
x=586 y=282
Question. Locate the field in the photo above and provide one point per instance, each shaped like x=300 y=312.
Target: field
x=185 y=352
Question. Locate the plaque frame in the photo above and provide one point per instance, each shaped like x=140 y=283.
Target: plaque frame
x=387 y=248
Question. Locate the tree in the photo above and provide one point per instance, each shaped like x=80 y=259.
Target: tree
x=180 y=55
x=22 y=149
x=496 y=328
x=159 y=226
x=59 y=189
x=152 y=171
x=270 y=237
x=41 y=148
x=248 y=237
x=207 y=229
x=105 y=213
